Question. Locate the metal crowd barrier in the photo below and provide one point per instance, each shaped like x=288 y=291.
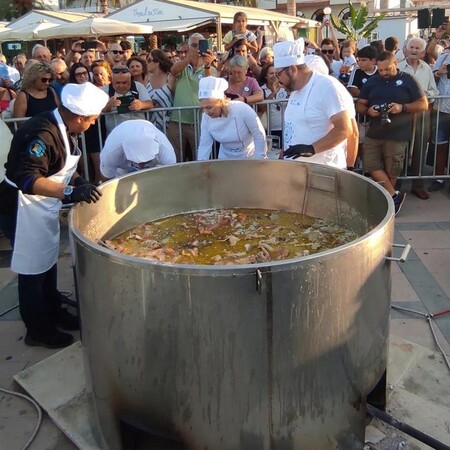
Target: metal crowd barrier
x=427 y=136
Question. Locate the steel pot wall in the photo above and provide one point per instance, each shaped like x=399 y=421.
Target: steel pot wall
x=267 y=356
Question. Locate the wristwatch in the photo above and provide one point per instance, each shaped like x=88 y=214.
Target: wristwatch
x=67 y=192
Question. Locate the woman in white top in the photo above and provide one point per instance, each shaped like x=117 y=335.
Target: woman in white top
x=233 y=124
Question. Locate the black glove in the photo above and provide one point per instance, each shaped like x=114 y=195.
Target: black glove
x=294 y=151
x=86 y=193
x=80 y=181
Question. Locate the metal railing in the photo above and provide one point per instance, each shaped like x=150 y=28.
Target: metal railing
x=427 y=147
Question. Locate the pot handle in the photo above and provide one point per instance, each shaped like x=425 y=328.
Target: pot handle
x=406 y=248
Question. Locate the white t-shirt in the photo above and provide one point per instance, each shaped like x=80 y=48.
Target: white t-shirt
x=307 y=117
x=336 y=68
x=240 y=134
x=112 y=120
x=231 y=34
x=113 y=159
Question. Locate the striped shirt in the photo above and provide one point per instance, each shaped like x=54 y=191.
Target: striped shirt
x=163 y=97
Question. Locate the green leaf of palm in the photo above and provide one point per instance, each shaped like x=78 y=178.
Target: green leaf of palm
x=353 y=12
x=361 y=18
x=369 y=27
x=342 y=27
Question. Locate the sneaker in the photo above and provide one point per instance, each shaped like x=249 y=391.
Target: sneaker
x=398 y=198
x=55 y=339
x=435 y=186
x=67 y=321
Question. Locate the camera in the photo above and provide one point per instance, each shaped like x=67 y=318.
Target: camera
x=383 y=109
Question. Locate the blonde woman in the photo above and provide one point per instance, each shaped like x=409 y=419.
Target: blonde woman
x=233 y=124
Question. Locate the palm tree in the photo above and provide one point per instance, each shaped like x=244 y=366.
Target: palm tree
x=17 y=8
x=358 y=25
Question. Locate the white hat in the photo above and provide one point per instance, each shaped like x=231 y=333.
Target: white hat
x=139 y=140
x=84 y=99
x=288 y=53
x=316 y=63
x=212 y=87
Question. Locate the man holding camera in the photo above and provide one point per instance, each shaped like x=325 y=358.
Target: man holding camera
x=390 y=98
x=126 y=97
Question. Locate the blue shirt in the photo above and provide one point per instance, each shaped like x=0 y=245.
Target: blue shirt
x=401 y=88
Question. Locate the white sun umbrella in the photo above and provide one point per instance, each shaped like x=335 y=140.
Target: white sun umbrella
x=28 y=33
x=95 y=27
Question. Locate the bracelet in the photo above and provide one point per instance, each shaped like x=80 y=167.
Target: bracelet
x=245 y=100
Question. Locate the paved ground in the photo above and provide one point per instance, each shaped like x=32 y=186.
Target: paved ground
x=422 y=283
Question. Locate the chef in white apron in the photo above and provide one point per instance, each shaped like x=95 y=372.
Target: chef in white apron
x=40 y=174
x=135 y=145
x=320 y=113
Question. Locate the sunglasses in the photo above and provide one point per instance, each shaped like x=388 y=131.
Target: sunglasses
x=120 y=70
x=118 y=52
x=46 y=80
x=277 y=74
x=330 y=52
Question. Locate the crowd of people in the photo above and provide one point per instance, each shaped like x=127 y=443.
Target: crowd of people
x=321 y=86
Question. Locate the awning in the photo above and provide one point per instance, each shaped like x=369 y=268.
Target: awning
x=181 y=25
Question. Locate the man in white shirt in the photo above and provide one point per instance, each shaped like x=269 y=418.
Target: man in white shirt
x=320 y=124
x=423 y=74
x=135 y=145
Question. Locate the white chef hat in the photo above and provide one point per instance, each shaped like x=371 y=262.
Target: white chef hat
x=139 y=140
x=212 y=87
x=84 y=99
x=316 y=63
x=288 y=53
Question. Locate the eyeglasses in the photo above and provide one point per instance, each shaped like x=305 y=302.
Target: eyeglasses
x=194 y=45
x=46 y=80
x=277 y=74
x=118 y=52
x=330 y=52
x=120 y=70
x=81 y=74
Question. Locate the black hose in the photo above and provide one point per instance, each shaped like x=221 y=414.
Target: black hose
x=408 y=429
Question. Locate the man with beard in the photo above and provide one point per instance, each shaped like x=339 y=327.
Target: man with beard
x=320 y=124
x=390 y=98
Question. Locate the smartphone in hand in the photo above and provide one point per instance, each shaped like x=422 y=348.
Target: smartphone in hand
x=203 y=46
x=89 y=45
x=125 y=102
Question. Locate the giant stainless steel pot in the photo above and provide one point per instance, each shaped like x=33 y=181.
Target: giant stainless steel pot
x=268 y=356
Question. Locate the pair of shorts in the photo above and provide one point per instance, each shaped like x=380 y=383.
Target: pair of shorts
x=442 y=128
x=384 y=155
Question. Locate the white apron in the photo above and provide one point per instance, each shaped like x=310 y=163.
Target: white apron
x=301 y=133
x=36 y=246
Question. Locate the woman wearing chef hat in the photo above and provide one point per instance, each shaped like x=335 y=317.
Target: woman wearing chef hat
x=233 y=124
